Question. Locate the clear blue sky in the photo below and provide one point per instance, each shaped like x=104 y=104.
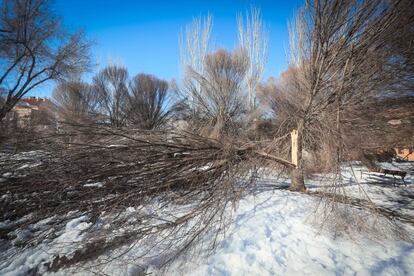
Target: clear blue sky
x=143 y=35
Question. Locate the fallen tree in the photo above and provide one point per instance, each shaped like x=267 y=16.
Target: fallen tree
x=122 y=169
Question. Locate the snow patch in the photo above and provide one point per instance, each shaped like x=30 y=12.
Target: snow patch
x=96 y=184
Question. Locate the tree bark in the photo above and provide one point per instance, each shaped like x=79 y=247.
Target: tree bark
x=3 y=112
x=297 y=176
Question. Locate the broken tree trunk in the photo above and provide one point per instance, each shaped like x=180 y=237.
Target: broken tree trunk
x=297 y=178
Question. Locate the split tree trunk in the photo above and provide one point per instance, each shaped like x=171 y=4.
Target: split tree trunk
x=297 y=175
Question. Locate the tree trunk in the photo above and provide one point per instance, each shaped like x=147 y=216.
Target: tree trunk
x=7 y=106
x=3 y=113
x=297 y=175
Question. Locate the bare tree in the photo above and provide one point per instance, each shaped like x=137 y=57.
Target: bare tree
x=148 y=106
x=253 y=38
x=34 y=48
x=219 y=92
x=75 y=102
x=398 y=42
x=111 y=87
x=340 y=61
x=194 y=46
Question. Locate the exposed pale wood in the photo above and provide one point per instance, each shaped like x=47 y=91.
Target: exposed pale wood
x=294 y=139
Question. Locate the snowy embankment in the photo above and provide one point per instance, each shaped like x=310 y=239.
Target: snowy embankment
x=275 y=232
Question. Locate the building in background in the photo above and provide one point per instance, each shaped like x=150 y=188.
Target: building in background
x=27 y=110
x=405 y=153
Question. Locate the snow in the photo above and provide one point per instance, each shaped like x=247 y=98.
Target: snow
x=384 y=191
x=116 y=146
x=74 y=232
x=274 y=237
x=275 y=232
x=96 y=184
x=34 y=258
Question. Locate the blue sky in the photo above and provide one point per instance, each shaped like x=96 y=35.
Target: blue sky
x=143 y=35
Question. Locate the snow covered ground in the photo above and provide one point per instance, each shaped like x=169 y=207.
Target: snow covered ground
x=277 y=233
x=273 y=235
x=274 y=232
